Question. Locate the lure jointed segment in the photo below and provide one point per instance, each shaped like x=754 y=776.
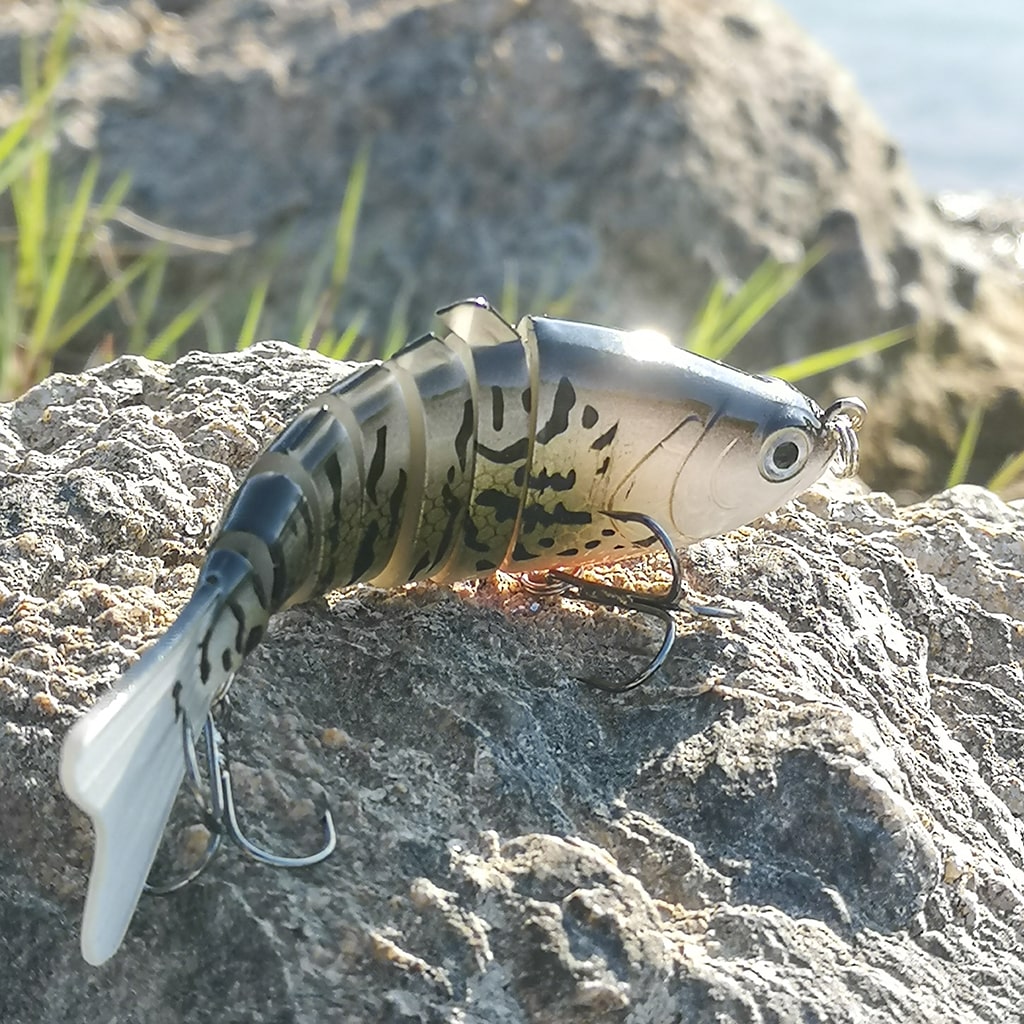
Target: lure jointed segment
x=544 y=446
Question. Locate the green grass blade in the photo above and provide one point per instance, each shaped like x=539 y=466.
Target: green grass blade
x=312 y=324
x=508 y=304
x=1009 y=473
x=55 y=62
x=151 y=288
x=215 y=338
x=253 y=312
x=831 y=358
x=708 y=321
x=760 y=280
x=348 y=218
x=30 y=193
x=169 y=336
x=738 y=305
x=67 y=249
x=14 y=135
x=29 y=204
x=10 y=329
x=31 y=80
x=342 y=346
x=965 y=450
x=398 y=325
x=114 y=287
x=309 y=308
x=329 y=272
x=108 y=205
x=14 y=167
x=725 y=320
x=764 y=290
x=13 y=138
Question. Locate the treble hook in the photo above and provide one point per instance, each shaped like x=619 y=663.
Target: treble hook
x=658 y=606
x=218 y=808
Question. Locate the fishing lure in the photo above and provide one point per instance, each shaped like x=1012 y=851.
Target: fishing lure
x=532 y=449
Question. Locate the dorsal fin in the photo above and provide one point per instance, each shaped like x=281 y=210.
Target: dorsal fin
x=477 y=323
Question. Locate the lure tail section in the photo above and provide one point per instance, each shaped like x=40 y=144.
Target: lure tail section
x=123 y=762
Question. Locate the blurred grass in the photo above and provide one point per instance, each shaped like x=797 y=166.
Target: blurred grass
x=725 y=320
x=1009 y=474
x=67 y=287
x=832 y=358
x=966 y=448
x=61 y=272
x=49 y=282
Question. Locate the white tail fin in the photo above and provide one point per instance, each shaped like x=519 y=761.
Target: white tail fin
x=123 y=762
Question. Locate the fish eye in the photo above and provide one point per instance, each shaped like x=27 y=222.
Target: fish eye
x=784 y=454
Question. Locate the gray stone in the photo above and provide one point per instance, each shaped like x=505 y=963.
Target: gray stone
x=813 y=813
x=623 y=154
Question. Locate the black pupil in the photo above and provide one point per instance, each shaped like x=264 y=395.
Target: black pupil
x=785 y=455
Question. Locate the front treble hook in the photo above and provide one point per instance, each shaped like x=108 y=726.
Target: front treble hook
x=218 y=807
x=658 y=606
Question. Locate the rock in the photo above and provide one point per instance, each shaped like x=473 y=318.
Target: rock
x=995 y=224
x=622 y=155
x=813 y=812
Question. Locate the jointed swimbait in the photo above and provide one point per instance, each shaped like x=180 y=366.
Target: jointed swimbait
x=491 y=447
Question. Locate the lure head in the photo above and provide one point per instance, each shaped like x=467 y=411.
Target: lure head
x=765 y=443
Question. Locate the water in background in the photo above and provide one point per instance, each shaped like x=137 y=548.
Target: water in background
x=945 y=77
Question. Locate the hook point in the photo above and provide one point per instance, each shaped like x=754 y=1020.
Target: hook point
x=219 y=810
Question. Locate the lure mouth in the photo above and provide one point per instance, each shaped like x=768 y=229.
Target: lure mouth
x=844 y=418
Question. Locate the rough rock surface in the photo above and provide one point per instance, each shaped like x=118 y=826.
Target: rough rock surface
x=622 y=153
x=814 y=813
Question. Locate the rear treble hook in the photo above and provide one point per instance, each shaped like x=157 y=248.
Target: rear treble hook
x=658 y=606
x=218 y=808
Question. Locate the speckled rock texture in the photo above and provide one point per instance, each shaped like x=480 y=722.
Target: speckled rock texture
x=812 y=814
x=624 y=153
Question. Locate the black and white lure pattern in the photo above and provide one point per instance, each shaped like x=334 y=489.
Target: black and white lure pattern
x=544 y=446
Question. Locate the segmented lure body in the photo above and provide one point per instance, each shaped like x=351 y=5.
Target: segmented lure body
x=456 y=458
x=488 y=447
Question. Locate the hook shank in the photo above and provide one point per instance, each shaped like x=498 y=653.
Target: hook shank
x=656 y=605
x=219 y=814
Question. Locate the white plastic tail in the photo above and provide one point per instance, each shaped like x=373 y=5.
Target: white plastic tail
x=122 y=764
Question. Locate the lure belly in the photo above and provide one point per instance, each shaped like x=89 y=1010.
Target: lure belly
x=490 y=447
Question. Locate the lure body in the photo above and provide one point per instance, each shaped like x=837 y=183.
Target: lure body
x=456 y=457
x=489 y=447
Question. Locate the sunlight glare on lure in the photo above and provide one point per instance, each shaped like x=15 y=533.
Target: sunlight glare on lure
x=534 y=449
